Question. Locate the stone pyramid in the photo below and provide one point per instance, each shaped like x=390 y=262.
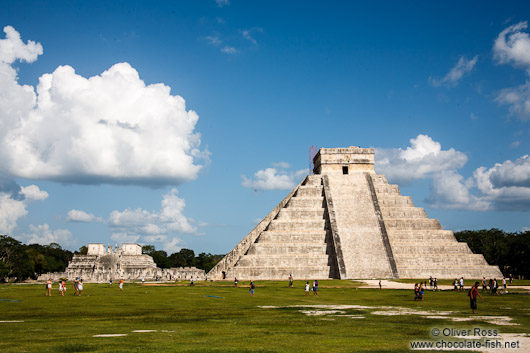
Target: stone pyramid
x=347 y=222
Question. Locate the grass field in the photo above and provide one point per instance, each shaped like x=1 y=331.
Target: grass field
x=217 y=317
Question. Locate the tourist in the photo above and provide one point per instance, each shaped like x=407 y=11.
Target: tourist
x=76 y=282
x=143 y=280
x=315 y=287
x=455 y=285
x=421 y=290
x=416 y=293
x=80 y=287
x=430 y=282
x=235 y=281
x=435 y=281
x=495 y=287
x=491 y=285
x=307 y=288
x=484 y=284
x=191 y=281
x=49 y=287
x=461 y=284
x=380 y=285
x=504 y=284
x=511 y=278
x=473 y=293
x=110 y=282
x=290 y=281
x=251 y=290
x=121 y=284
x=64 y=288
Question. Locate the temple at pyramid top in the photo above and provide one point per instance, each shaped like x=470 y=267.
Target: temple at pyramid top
x=347 y=222
x=344 y=160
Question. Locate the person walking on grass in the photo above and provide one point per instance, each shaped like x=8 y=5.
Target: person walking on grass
x=455 y=285
x=421 y=290
x=251 y=290
x=49 y=287
x=121 y=284
x=504 y=285
x=473 y=293
x=435 y=282
x=461 y=284
x=484 y=284
x=380 y=287
x=76 y=282
x=191 y=281
x=80 y=287
x=235 y=281
x=290 y=280
x=307 y=289
x=315 y=288
x=62 y=287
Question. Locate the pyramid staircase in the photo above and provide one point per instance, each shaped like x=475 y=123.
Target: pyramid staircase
x=296 y=241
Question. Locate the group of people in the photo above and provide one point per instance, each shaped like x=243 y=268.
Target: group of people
x=78 y=287
x=419 y=290
x=494 y=285
x=458 y=284
x=433 y=283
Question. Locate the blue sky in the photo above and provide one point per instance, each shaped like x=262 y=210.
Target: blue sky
x=182 y=124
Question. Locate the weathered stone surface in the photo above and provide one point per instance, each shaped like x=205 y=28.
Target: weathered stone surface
x=348 y=222
x=102 y=264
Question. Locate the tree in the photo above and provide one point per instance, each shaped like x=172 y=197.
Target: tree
x=83 y=250
x=148 y=249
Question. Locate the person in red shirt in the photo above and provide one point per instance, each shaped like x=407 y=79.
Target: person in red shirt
x=473 y=293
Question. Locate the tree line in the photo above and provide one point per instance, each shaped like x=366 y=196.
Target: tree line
x=19 y=261
x=509 y=251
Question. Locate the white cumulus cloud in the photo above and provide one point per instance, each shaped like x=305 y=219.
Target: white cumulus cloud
x=274 y=178
x=109 y=128
x=42 y=234
x=423 y=158
x=512 y=46
x=505 y=186
x=81 y=216
x=456 y=73
x=518 y=100
x=14 y=200
x=132 y=225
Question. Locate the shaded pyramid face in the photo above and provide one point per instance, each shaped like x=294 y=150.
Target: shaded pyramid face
x=347 y=222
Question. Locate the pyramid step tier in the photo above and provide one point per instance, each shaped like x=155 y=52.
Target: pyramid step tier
x=297 y=225
x=403 y=212
x=279 y=273
x=293 y=237
x=395 y=201
x=450 y=272
x=288 y=248
x=412 y=224
x=411 y=260
x=300 y=213
x=292 y=260
x=310 y=191
x=431 y=249
x=308 y=203
x=420 y=235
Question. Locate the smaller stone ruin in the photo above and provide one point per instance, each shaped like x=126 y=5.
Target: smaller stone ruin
x=102 y=264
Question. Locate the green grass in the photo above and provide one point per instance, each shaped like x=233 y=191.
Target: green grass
x=467 y=282
x=192 y=319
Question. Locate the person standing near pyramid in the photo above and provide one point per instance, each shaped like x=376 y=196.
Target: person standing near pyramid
x=473 y=293
x=251 y=290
